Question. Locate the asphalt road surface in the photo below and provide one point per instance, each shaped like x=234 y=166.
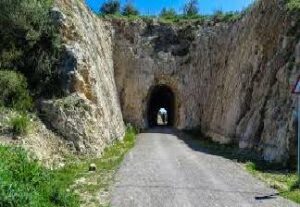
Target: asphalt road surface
x=164 y=170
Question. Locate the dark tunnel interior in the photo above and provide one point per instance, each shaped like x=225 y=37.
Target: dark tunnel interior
x=162 y=97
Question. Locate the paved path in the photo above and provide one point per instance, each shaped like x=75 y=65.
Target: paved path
x=165 y=171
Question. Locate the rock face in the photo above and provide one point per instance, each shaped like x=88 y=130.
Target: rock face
x=89 y=117
x=231 y=79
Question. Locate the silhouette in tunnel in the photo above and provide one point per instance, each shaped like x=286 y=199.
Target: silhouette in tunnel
x=161 y=97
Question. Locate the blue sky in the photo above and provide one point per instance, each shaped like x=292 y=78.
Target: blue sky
x=155 y=6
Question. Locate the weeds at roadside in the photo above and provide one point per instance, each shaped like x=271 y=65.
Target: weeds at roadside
x=274 y=174
x=24 y=182
x=89 y=186
x=285 y=181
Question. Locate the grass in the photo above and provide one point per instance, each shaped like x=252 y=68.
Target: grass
x=24 y=182
x=16 y=123
x=20 y=124
x=88 y=185
x=285 y=181
x=274 y=174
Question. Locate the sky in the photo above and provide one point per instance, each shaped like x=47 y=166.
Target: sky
x=153 y=7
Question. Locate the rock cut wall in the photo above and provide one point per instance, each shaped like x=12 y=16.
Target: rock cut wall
x=89 y=117
x=231 y=79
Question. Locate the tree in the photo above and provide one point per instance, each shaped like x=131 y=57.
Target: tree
x=191 y=8
x=110 y=7
x=130 y=10
x=168 y=13
x=30 y=43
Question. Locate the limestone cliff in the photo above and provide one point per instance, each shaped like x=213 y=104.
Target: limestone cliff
x=231 y=79
x=89 y=117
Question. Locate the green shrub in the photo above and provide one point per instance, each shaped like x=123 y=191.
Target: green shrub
x=293 y=5
x=20 y=124
x=24 y=182
x=220 y=16
x=217 y=16
x=130 y=10
x=168 y=13
x=30 y=43
x=110 y=7
x=14 y=93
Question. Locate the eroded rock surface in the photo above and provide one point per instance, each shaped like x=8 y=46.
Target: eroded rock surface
x=231 y=79
x=89 y=117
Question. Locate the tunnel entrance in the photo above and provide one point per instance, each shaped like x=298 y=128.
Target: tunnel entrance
x=161 y=106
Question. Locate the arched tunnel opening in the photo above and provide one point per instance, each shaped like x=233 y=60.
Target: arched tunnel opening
x=161 y=106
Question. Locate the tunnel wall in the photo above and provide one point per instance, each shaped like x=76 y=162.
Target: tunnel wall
x=231 y=79
x=161 y=96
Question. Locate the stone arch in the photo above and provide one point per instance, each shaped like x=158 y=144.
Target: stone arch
x=161 y=96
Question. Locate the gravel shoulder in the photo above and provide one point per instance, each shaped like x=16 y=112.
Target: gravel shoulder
x=164 y=170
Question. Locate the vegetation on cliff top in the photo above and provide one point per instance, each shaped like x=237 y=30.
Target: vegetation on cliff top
x=112 y=9
x=190 y=12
